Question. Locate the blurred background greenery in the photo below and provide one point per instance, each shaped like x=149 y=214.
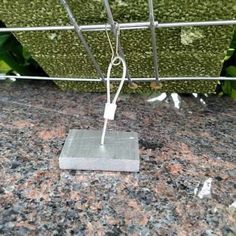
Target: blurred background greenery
x=14 y=59
x=229 y=70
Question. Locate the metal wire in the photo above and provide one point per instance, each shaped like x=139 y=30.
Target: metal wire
x=82 y=39
x=154 y=39
x=199 y=23
x=3 y=77
x=115 y=29
x=123 y=26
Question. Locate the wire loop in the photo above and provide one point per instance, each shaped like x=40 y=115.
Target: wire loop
x=112 y=103
x=115 y=54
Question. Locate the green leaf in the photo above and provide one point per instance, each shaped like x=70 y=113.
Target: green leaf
x=226 y=87
x=233 y=43
x=13 y=61
x=233 y=84
x=229 y=88
x=4 y=67
x=229 y=54
x=233 y=94
x=231 y=71
x=3 y=38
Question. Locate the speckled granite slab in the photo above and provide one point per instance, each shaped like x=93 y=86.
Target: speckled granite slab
x=83 y=151
x=187 y=51
x=179 y=150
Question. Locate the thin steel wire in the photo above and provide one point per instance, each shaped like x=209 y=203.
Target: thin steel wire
x=112 y=50
x=123 y=26
x=3 y=77
x=154 y=39
x=115 y=31
x=82 y=39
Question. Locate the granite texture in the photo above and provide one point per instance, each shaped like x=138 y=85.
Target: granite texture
x=180 y=149
x=191 y=51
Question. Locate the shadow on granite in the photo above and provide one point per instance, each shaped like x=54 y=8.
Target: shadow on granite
x=186 y=185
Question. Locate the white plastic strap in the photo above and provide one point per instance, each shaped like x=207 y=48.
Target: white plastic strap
x=110 y=110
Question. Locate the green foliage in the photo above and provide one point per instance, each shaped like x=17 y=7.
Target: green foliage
x=229 y=70
x=15 y=58
x=4 y=68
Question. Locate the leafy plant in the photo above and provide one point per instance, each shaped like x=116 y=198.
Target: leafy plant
x=15 y=58
x=229 y=70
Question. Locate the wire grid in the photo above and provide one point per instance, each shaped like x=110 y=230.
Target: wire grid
x=112 y=26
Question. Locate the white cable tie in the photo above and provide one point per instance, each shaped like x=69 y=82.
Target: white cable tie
x=110 y=110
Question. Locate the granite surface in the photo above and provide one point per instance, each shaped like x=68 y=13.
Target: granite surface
x=186 y=185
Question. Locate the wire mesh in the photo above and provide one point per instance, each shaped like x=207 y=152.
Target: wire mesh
x=152 y=25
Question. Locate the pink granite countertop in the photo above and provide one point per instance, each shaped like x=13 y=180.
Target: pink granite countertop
x=180 y=150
